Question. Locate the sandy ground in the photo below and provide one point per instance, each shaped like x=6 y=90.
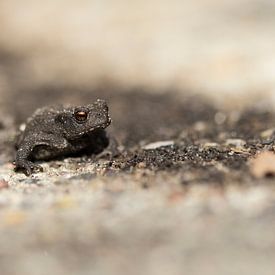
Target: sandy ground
x=197 y=76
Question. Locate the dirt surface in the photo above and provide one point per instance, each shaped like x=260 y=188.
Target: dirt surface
x=190 y=86
x=191 y=207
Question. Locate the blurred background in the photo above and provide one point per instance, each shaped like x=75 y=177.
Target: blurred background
x=198 y=74
x=219 y=48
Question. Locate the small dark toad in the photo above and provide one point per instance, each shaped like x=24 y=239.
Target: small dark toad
x=52 y=132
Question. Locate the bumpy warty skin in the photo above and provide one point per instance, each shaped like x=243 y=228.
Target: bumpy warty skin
x=59 y=131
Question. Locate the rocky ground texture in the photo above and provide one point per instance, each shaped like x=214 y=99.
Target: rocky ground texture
x=192 y=191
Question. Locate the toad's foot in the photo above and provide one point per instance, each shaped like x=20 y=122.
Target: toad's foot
x=111 y=151
x=27 y=167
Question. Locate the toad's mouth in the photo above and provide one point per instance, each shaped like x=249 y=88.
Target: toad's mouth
x=100 y=126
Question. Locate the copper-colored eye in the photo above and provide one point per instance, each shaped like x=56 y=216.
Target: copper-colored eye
x=81 y=116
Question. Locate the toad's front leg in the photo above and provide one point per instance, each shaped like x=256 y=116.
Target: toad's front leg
x=22 y=161
x=27 y=150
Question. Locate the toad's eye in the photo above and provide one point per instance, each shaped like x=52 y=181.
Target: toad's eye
x=80 y=116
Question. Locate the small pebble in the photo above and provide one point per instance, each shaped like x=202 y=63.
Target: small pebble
x=3 y=184
x=235 y=142
x=155 y=145
x=210 y=145
x=267 y=133
x=263 y=165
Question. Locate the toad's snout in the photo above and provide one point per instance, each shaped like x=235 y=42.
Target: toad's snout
x=102 y=105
